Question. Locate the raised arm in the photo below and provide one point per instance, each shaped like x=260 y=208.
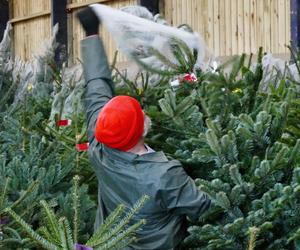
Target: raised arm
x=99 y=88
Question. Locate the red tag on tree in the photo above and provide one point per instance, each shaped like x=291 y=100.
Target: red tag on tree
x=190 y=77
x=82 y=146
x=65 y=122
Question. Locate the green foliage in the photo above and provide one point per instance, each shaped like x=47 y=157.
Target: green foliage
x=56 y=233
x=240 y=141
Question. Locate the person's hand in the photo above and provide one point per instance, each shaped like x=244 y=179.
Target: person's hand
x=89 y=21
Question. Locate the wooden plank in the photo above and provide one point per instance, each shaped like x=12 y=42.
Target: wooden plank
x=267 y=35
x=222 y=26
x=216 y=22
x=274 y=26
x=193 y=13
x=234 y=27
x=202 y=11
x=175 y=13
x=30 y=17
x=31 y=20
x=11 y=14
x=287 y=24
x=260 y=41
x=228 y=27
x=77 y=5
x=247 y=23
x=168 y=11
x=281 y=26
x=255 y=18
x=181 y=12
x=240 y=25
x=210 y=26
x=188 y=12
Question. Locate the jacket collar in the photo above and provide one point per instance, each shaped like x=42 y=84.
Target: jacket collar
x=153 y=157
x=158 y=156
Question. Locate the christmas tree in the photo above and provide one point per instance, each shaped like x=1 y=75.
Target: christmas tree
x=239 y=140
x=41 y=152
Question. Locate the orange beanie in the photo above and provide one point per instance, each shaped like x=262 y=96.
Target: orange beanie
x=120 y=123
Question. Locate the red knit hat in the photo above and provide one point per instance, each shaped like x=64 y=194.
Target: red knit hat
x=120 y=123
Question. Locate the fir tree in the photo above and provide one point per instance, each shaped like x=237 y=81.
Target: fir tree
x=56 y=232
x=236 y=140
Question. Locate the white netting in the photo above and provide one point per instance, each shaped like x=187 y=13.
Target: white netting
x=274 y=69
x=135 y=30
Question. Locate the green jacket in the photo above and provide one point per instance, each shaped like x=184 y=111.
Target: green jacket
x=125 y=177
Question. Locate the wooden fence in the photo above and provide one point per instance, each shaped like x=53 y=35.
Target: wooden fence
x=229 y=27
x=232 y=27
x=31 y=21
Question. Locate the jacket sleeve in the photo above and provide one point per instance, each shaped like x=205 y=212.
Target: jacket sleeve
x=180 y=194
x=99 y=89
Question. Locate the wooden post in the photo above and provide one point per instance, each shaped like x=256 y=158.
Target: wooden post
x=152 y=6
x=295 y=23
x=4 y=16
x=59 y=15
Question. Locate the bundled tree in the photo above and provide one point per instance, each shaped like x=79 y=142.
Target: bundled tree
x=236 y=140
x=40 y=154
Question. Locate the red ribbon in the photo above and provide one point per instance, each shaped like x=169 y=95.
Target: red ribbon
x=190 y=77
x=82 y=146
x=65 y=122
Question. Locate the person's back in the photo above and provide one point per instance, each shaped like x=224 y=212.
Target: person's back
x=115 y=127
x=126 y=177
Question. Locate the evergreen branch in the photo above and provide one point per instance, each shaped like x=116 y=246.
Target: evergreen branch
x=235 y=175
x=237 y=67
x=109 y=221
x=3 y=194
x=122 y=236
x=213 y=142
x=294 y=57
x=190 y=56
x=163 y=59
x=186 y=103
x=51 y=221
x=180 y=57
x=63 y=235
x=30 y=189
x=76 y=207
x=8 y=93
x=166 y=107
x=40 y=240
x=253 y=231
x=12 y=231
x=124 y=243
x=61 y=136
x=114 y=62
x=67 y=233
x=120 y=226
x=129 y=83
x=159 y=126
x=47 y=235
x=294 y=154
